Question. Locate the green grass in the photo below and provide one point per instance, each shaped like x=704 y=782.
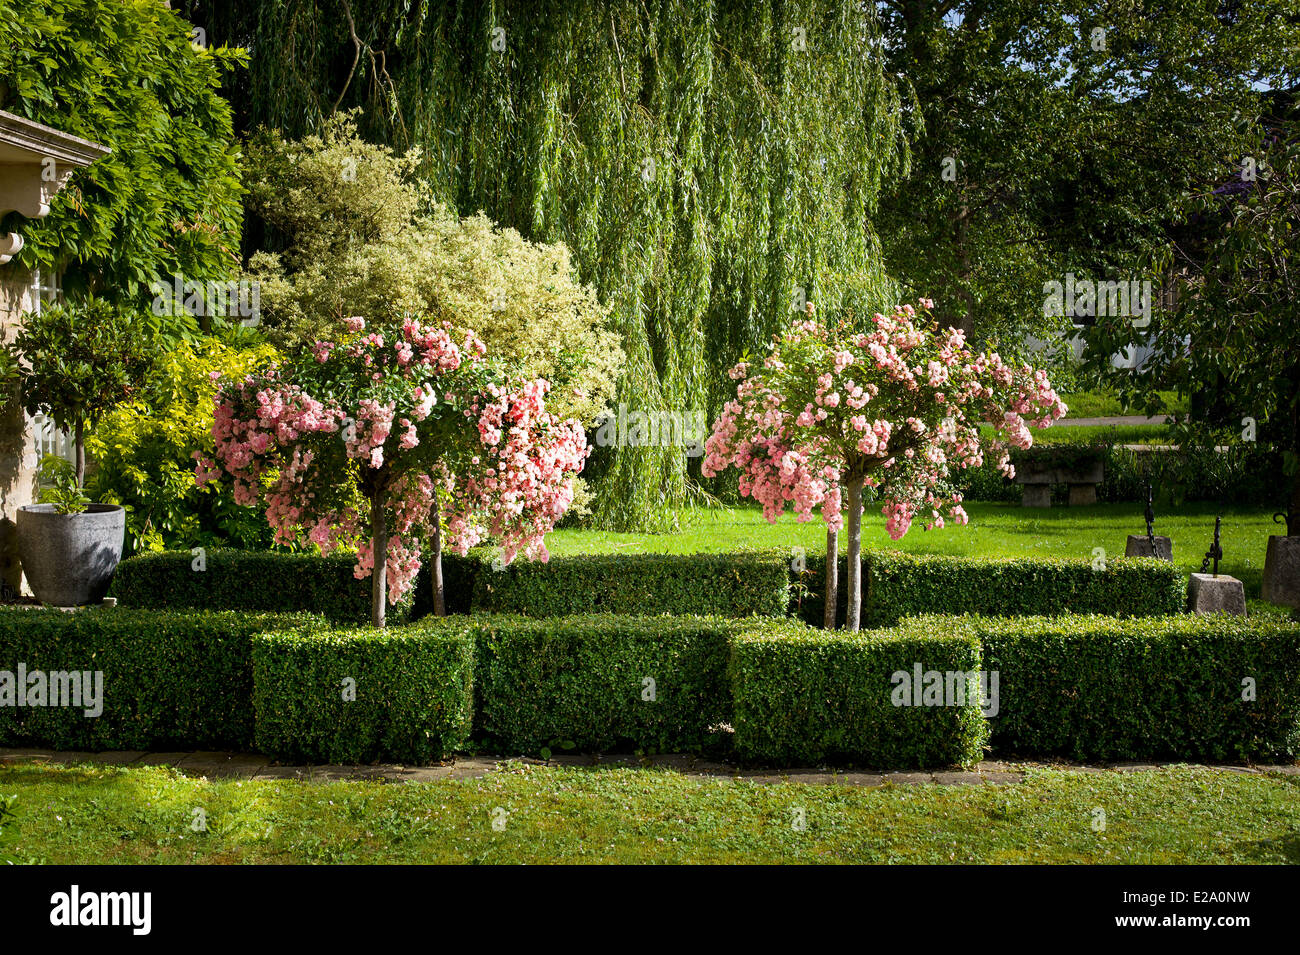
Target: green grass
x=1178 y=815
x=1097 y=434
x=995 y=530
x=1105 y=434
x=1106 y=404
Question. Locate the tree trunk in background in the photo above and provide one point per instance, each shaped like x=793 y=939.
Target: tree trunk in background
x=832 y=577
x=1293 y=515
x=439 y=596
x=855 y=554
x=379 y=574
x=79 y=440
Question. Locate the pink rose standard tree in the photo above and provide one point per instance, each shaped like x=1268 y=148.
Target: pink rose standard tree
x=359 y=441
x=833 y=410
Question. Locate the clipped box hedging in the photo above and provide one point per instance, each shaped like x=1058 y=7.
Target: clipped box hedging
x=262 y=581
x=355 y=696
x=803 y=695
x=1094 y=687
x=898 y=585
x=170 y=679
x=736 y=584
x=458 y=577
x=584 y=680
x=808 y=589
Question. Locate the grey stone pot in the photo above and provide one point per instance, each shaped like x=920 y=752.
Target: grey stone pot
x=69 y=559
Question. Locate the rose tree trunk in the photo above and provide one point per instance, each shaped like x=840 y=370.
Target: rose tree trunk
x=439 y=595
x=379 y=573
x=832 y=577
x=855 y=553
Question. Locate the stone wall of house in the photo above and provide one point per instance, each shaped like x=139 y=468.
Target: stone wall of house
x=17 y=457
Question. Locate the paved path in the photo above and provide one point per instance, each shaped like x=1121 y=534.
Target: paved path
x=252 y=766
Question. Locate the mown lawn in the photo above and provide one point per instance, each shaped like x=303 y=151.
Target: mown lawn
x=995 y=530
x=1176 y=815
x=1105 y=404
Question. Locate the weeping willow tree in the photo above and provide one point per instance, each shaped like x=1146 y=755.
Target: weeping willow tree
x=711 y=165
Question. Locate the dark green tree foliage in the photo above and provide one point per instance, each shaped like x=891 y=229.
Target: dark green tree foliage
x=1230 y=339
x=127 y=74
x=78 y=362
x=709 y=164
x=1071 y=131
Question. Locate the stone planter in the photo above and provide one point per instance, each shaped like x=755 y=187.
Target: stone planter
x=69 y=559
x=1139 y=545
x=1207 y=593
x=1282 y=571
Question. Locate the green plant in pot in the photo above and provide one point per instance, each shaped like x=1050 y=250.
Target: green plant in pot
x=74 y=363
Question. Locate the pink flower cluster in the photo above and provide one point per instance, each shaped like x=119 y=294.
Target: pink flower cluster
x=414 y=417
x=520 y=483
x=898 y=406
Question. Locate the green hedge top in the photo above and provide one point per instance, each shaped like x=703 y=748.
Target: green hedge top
x=738 y=584
x=902 y=585
x=345 y=696
x=603 y=681
x=168 y=678
x=1094 y=687
x=806 y=695
x=264 y=581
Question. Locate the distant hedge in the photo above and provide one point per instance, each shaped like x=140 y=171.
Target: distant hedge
x=902 y=585
x=803 y=695
x=808 y=589
x=458 y=577
x=1246 y=475
x=1093 y=687
x=261 y=581
x=735 y=584
x=345 y=696
x=171 y=679
x=739 y=584
x=898 y=585
x=599 y=682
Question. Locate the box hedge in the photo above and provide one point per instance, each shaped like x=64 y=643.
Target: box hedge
x=262 y=581
x=170 y=679
x=458 y=576
x=1093 y=687
x=903 y=585
x=896 y=585
x=729 y=585
x=803 y=695
x=602 y=682
x=808 y=589
x=348 y=696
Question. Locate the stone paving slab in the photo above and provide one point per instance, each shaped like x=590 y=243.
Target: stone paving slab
x=233 y=765
x=257 y=767
x=959 y=779
x=1284 y=770
x=899 y=778
x=160 y=759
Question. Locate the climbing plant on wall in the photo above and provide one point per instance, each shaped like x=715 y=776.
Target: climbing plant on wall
x=710 y=165
x=131 y=75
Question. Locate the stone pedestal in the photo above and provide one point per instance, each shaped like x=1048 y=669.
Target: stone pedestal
x=1139 y=546
x=1207 y=593
x=1036 y=495
x=1282 y=571
x=1037 y=484
x=1083 y=494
